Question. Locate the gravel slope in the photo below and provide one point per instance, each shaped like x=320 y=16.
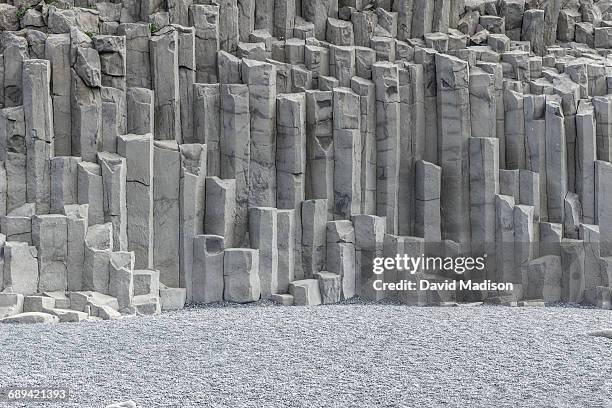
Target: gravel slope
x=326 y=356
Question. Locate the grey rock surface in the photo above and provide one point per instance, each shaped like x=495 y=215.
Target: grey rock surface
x=304 y=138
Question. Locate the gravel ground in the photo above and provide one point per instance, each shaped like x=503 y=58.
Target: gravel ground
x=326 y=356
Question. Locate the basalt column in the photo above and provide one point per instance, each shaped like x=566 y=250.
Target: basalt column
x=453 y=137
x=235 y=153
x=38 y=114
x=387 y=142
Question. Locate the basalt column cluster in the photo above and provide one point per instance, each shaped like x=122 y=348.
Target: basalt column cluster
x=155 y=153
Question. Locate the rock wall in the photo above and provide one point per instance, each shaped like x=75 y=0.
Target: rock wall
x=160 y=152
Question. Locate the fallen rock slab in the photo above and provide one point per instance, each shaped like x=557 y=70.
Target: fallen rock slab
x=31 y=317
x=602 y=333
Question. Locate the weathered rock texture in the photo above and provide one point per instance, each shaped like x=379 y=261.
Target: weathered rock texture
x=154 y=153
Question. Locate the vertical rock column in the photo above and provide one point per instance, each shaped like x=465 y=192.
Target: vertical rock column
x=38 y=115
x=453 y=146
x=428 y=180
x=13 y=154
x=483 y=104
x=285 y=222
x=263 y=230
x=320 y=148
x=498 y=81
x=284 y=17
x=192 y=208
x=166 y=211
x=369 y=239
x=64 y=182
x=387 y=142
x=138 y=63
x=556 y=160
x=524 y=238
x=121 y=278
x=534 y=108
x=317 y=11
x=205 y=19
x=49 y=236
x=113 y=64
x=261 y=80
x=228 y=25
x=15 y=52
x=404 y=19
x=140 y=111
x=314 y=219
x=207 y=275
x=484 y=186
x=586 y=153
x=219 y=218
x=514 y=136
x=347 y=153
x=86 y=99
x=114 y=117
x=603 y=116
x=89 y=178
x=551 y=17
x=291 y=163
x=57 y=51
x=422 y=17
x=114 y=172
x=504 y=238
x=411 y=149
x=241 y=275
x=21 y=268
x=138 y=153
x=235 y=152
x=98 y=248
x=246 y=19
x=179 y=11
x=603 y=210
x=340 y=241
x=165 y=80
x=569 y=92
x=76 y=228
x=187 y=76
x=207 y=123
x=264 y=15
x=366 y=90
